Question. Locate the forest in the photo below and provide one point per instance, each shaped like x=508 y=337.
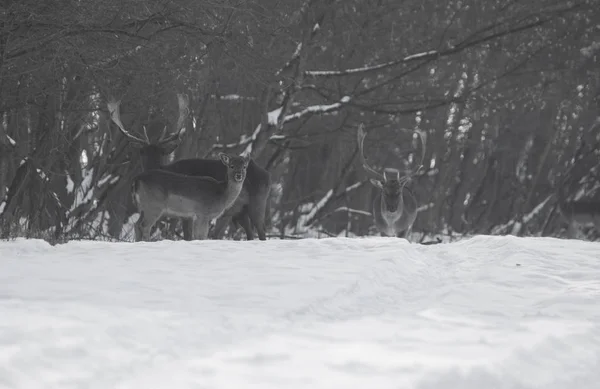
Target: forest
x=505 y=92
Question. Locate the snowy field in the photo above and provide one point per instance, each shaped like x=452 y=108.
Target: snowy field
x=487 y=312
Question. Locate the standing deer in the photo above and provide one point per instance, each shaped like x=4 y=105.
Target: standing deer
x=577 y=214
x=249 y=208
x=395 y=207
x=160 y=193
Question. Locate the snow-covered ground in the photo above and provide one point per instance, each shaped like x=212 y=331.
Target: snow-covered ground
x=487 y=312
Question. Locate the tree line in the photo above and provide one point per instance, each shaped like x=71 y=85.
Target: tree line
x=507 y=93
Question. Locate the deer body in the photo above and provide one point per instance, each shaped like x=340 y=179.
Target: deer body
x=249 y=207
x=159 y=193
x=578 y=214
x=394 y=207
x=395 y=223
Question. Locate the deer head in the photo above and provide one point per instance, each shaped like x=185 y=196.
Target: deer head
x=153 y=153
x=392 y=181
x=236 y=166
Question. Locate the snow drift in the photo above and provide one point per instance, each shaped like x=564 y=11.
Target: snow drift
x=488 y=312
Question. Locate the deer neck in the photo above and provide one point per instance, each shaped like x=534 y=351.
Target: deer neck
x=232 y=190
x=151 y=164
x=392 y=216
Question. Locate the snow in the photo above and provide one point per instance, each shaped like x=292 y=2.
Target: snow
x=42 y=175
x=485 y=312
x=420 y=55
x=11 y=140
x=315 y=109
x=318 y=206
x=274 y=116
x=369 y=68
x=84 y=193
x=70 y=184
x=589 y=51
x=232 y=97
x=323 y=73
x=351 y=210
x=107 y=178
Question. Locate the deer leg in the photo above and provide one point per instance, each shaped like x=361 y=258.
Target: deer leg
x=146 y=222
x=404 y=234
x=137 y=227
x=256 y=212
x=220 y=227
x=201 y=227
x=244 y=220
x=572 y=230
x=597 y=224
x=234 y=225
x=187 y=226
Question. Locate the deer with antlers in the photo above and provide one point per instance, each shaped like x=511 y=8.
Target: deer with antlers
x=395 y=206
x=248 y=210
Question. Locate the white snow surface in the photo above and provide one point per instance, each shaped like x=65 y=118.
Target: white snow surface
x=485 y=312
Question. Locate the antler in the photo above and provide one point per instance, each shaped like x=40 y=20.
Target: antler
x=410 y=172
x=183 y=103
x=115 y=114
x=370 y=171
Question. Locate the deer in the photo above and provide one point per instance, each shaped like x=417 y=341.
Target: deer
x=250 y=206
x=394 y=207
x=578 y=213
x=159 y=193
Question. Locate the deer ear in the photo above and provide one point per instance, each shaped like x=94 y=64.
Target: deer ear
x=377 y=183
x=224 y=158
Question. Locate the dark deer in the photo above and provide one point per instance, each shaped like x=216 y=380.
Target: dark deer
x=249 y=208
x=159 y=193
x=395 y=207
x=577 y=213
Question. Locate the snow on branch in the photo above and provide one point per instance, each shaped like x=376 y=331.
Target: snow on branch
x=312 y=216
x=515 y=225
x=250 y=141
x=318 y=206
x=354 y=186
x=527 y=218
x=316 y=109
x=10 y=140
x=589 y=51
x=425 y=207
x=289 y=63
x=422 y=55
x=232 y=97
x=273 y=120
x=274 y=116
x=42 y=175
x=352 y=211
x=365 y=69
